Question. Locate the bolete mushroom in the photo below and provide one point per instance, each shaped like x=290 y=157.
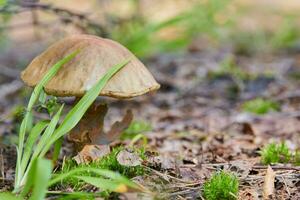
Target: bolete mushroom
x=96 y=56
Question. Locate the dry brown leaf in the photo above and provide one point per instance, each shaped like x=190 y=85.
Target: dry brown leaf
x=117 y=128
x=90 y=125
x=268 y=187
x=188 y=174
x=91 y=153
x=276 y=126
x=248 y=194
x=129 y=159
x=242 y=167
x=90 y=128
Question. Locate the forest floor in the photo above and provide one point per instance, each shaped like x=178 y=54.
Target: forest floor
x=198 y=124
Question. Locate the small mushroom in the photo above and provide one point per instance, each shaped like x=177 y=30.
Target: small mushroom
x=96 y=56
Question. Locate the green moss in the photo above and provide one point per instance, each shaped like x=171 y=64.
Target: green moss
x=222 y=185
x=108 y=162
x=275 y=153
x=260 y=106
x=297 y=158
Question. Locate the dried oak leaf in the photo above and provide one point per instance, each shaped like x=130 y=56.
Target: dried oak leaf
x=90 y=128
x=91 y=124
x=91 y=153
x=117 y=128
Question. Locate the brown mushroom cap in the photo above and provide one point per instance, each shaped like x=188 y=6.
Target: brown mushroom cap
x=96 y=56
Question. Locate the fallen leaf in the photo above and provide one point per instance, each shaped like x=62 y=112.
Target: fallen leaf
x=273 y=125
x=248 y=194
x=91 y=124
x=129 y=159
x=117 y=128
x=90 y=128
x=188 y=174
x=247 y=128
x=91 y=153
x=242 y=167
x=268 y=187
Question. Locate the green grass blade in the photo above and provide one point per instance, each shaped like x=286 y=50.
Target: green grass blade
x=23 y=128
x=57 y=148
x=74 y=116
x=9 y=196
x=100 y=172
x=34 y=97
x=75 y=195
x=48 y=76
x=104 y=184
x=39 y=87
x=42 y=176
x=44 y=139
x=29 y=183
x=48 y=132
x=32 y=138
x=38 y=178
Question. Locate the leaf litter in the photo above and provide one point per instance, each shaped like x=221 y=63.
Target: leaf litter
x=198 y=125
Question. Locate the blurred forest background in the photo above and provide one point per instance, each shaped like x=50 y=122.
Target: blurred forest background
x=151 y=27
x=229 y=71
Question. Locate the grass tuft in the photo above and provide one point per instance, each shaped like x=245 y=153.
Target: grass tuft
x=297 y=158
x=276 y=153
x=222 y=185
x=108 y=162
x=260 y=106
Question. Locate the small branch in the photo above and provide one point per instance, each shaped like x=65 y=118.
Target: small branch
x=9 y=72
x=274 y=167
x=66 y=16
x=268 y=186
x=277 y=167
x=10 y=88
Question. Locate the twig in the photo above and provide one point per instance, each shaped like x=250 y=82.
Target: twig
x=268 y=186
x=66 y=16
x=9 y=88
x=286 y=186
x=274 y=167
x=172 y=177
x=184 y=191
x=9 y=72
x=277 y=167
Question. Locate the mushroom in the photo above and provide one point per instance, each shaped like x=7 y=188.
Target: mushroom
x=96 y=56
